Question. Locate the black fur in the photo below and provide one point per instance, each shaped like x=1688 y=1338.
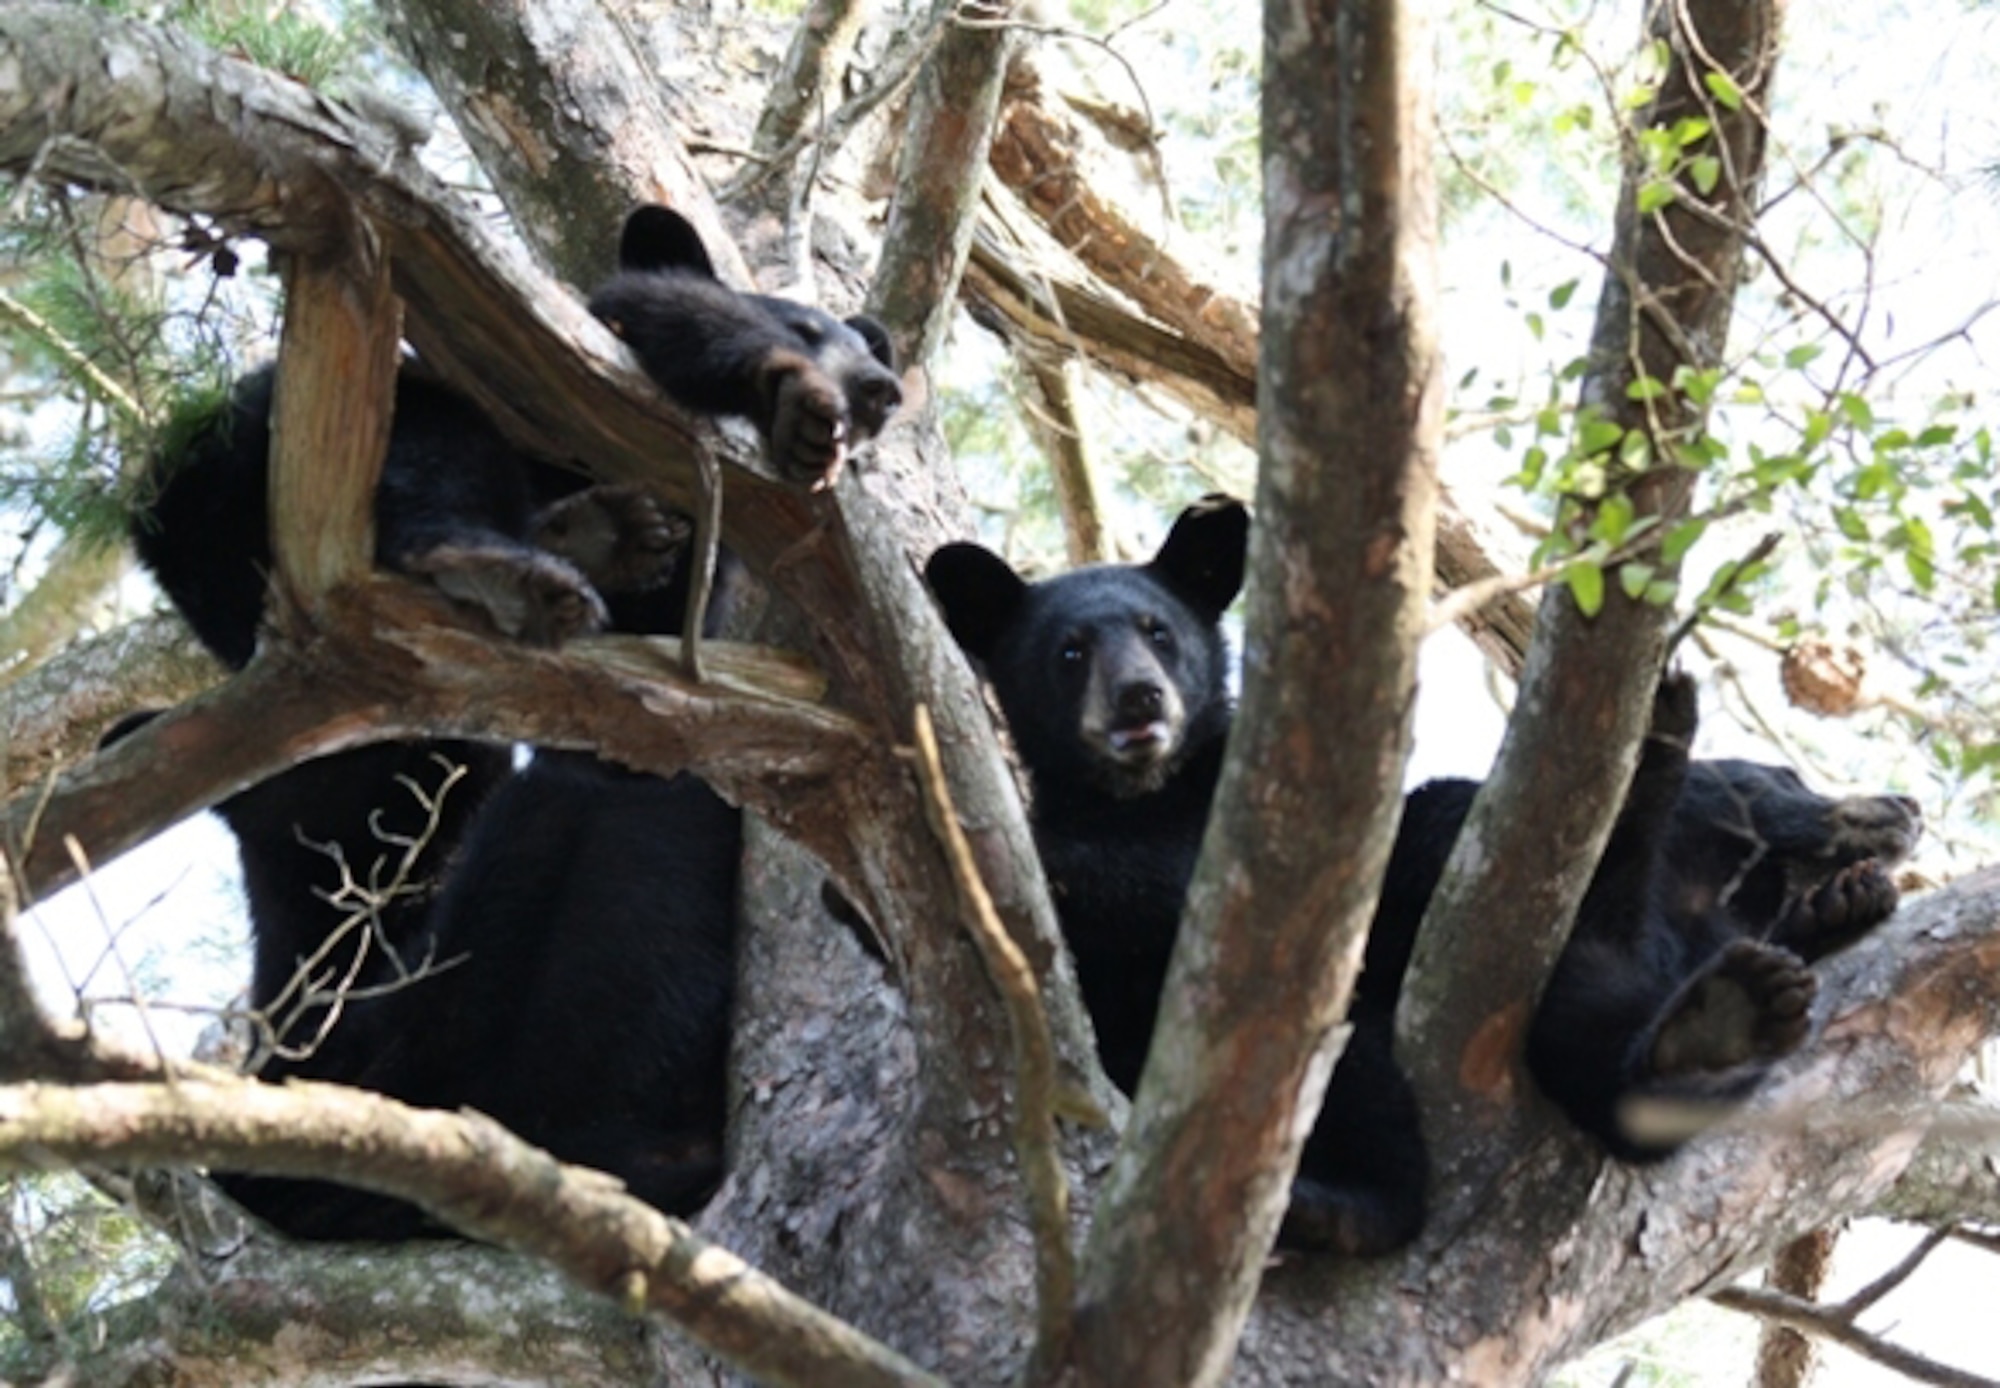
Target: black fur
x=1685 y=978
x=1114 y=683
x=812 y=384
x=577 y=964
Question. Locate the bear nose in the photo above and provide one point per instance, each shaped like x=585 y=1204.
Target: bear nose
x=1138 y=701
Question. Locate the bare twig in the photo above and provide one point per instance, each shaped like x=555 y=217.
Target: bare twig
x=1828 y=1325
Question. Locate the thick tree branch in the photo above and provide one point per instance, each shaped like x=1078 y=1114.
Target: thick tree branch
x=1955 y=1175
x=1525 y=855
x=387 y=661
x=1036 y=154
x=1035 y=1083
x=1350 y=404
x=1569 y=1248
x=53 y=715
x=331 y=1316
x=474 y=1175
x=953 y=112
x=330 y=419
x=565 y=115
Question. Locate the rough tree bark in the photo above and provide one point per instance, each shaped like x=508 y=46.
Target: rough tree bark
x=1526 y=853
x=1349 y=405
x=869 y=1167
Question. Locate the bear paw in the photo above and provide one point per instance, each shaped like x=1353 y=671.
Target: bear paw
x=533 y=597
x=1752 y=1002
x=1838 y=911
x=619 y=535
x=809 y=427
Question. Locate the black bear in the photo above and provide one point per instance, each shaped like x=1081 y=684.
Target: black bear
x=578 y=957
x=1114 y=682
x=1689 y=979
x=1685 y=977
x=811 y=383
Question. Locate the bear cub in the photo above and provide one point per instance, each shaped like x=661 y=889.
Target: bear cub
x=584 y=914
x=1113 y=680
x=1685 y=979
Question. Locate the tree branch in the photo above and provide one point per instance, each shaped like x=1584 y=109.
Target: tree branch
x=1501 y=915
x=564 y=114
x=953 y=112
x=1350 y=405
x=474 y=1175
x=388 y=661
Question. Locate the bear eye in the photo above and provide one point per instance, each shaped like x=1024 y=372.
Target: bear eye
x=1157 y=632
x=809 y=333
x=1072 y=651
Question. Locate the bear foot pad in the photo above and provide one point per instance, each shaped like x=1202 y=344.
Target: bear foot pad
x=525 y=594
x=621 y=536
x=1752 y=1003
x=1838 y=911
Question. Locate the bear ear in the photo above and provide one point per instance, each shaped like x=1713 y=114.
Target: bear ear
x=659 y=238
x=877 y=338
x=1203 y=557
x=979 y=592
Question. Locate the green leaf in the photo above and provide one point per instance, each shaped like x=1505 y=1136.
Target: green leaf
x=1850 y=523
x=1559 y=297
x=1922 y=571
x=1818 y=425
x=1689 y=129
x=1699 y=386
x=1802 y=356
x=1613 y=519
x=1635 y=578
x=1662 y=592
x=1680 y=540
x=1596 y=434
x=1937 y=436
x=1586 y=585
x=1705 y=171
x=1723 y=88
x=1856 y=411
x=1646 y=388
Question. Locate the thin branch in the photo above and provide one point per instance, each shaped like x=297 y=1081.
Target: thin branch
x=1035 y=1093
x=1813 y=1320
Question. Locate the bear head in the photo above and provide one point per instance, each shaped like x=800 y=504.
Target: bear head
x=1109 y=675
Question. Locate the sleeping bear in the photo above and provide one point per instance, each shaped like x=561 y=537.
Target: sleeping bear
x=1686 y=975
x=572 y=922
